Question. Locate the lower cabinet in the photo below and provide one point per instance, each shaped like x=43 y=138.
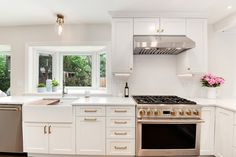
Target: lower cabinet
x=207 y=131
x=224 y=133
x=49 y=138
x=90 y=135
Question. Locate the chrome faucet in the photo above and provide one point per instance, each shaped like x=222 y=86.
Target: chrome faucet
x=63 y=85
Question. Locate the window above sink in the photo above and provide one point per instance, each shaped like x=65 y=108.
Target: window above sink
x=80 y=68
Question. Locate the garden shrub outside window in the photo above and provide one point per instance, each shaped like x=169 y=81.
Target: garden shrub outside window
x=5 y=66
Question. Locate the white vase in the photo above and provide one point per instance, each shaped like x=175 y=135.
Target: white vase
x=54 y=89
x=41 y=89
x=211 y=93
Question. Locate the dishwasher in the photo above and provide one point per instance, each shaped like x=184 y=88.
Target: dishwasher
x=11 y=138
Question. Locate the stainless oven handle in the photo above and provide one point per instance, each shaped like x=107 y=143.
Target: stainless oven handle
x=171 y=121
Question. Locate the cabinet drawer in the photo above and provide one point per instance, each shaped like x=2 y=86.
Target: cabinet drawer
x=90 y=111
x=120 y=111
x=120 y=147
x=117 y=133
x=114 y=122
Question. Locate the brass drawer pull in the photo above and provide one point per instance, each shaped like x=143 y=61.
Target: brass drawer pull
x=90 y=110
x=120 y=133
x=45 y=129
x=49 y=129
x=120 y=122
x=116 y=147
x=120 y=111
x=90 y=119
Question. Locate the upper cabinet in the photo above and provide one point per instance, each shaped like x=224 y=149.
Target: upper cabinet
x=194 y=61
x=159 y=26
x=122 y=45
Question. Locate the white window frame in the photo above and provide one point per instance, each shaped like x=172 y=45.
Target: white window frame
x=32 y=68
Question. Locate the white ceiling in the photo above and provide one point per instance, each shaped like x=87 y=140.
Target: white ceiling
x=34 y=12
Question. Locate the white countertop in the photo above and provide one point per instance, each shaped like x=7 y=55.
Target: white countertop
x=80 y=101
x=104 y=101
x=229 y=104
x=18 y=99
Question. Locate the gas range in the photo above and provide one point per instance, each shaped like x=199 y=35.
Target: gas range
x=167 y=126
x=161 y=106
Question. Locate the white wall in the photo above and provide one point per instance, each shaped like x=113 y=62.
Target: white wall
x=152 y=74
x=222 y=60
x=18 y=37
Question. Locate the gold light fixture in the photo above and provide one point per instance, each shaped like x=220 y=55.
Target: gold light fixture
x=60 y=21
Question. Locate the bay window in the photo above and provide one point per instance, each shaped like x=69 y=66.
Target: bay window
x=76 y=70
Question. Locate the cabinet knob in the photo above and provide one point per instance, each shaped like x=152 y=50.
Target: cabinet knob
x=158 y=30
x=162 y=30
x=131 y=69
x=189 y=69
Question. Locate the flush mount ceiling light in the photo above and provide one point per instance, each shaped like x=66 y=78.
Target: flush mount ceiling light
x=229 y=7
x=60 y=21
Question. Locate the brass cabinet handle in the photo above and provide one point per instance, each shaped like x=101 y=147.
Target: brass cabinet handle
x=120 y=122
x=116 y=147
x=120 y=133
x=90 y=110
x=162 y=30
x=90 y=119
x=45 y=129
x=119 y=111
x=158 y=30
x=49 y=129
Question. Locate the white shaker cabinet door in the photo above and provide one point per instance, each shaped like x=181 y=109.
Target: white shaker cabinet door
x=90 y=135
x=207 y=131
x=36 y=137
x=146 y=26
x=122 y=45
x=61 y=138
x=173 y=26
x=224 y=133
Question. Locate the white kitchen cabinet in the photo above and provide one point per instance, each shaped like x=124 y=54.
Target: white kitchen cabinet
x=146 y=26
x=194 y=61
x=159 y=26
x=122 y=45
x=61 y=139
x=224 y=133
x=49 y=138
x=207 y=131
x=90 y=135
x=173 y=26
x=35 y=137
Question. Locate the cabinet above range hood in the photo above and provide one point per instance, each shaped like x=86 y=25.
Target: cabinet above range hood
x=161 y=44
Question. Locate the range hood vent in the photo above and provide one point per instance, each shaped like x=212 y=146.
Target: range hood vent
x=161 y=44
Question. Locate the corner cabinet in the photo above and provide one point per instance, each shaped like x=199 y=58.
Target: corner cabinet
x=207 y=131
x=224 y=133
x=194 y=61
x=122 y=45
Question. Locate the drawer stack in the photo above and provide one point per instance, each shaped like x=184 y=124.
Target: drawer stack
x=120 y=130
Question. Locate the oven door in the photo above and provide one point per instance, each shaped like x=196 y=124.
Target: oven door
x=168 y=137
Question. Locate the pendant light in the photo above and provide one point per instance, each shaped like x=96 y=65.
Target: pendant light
x=60 y=22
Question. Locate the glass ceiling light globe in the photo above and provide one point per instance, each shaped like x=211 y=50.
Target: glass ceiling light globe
x=60 y=29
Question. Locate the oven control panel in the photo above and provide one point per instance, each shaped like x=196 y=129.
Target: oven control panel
x=169 y=112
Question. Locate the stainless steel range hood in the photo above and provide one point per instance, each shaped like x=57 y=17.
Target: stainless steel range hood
x=161 y=44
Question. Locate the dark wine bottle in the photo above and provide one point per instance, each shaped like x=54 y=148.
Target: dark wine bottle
x=126 y=92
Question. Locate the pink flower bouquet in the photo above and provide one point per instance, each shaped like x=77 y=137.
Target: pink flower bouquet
x=210 y=80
